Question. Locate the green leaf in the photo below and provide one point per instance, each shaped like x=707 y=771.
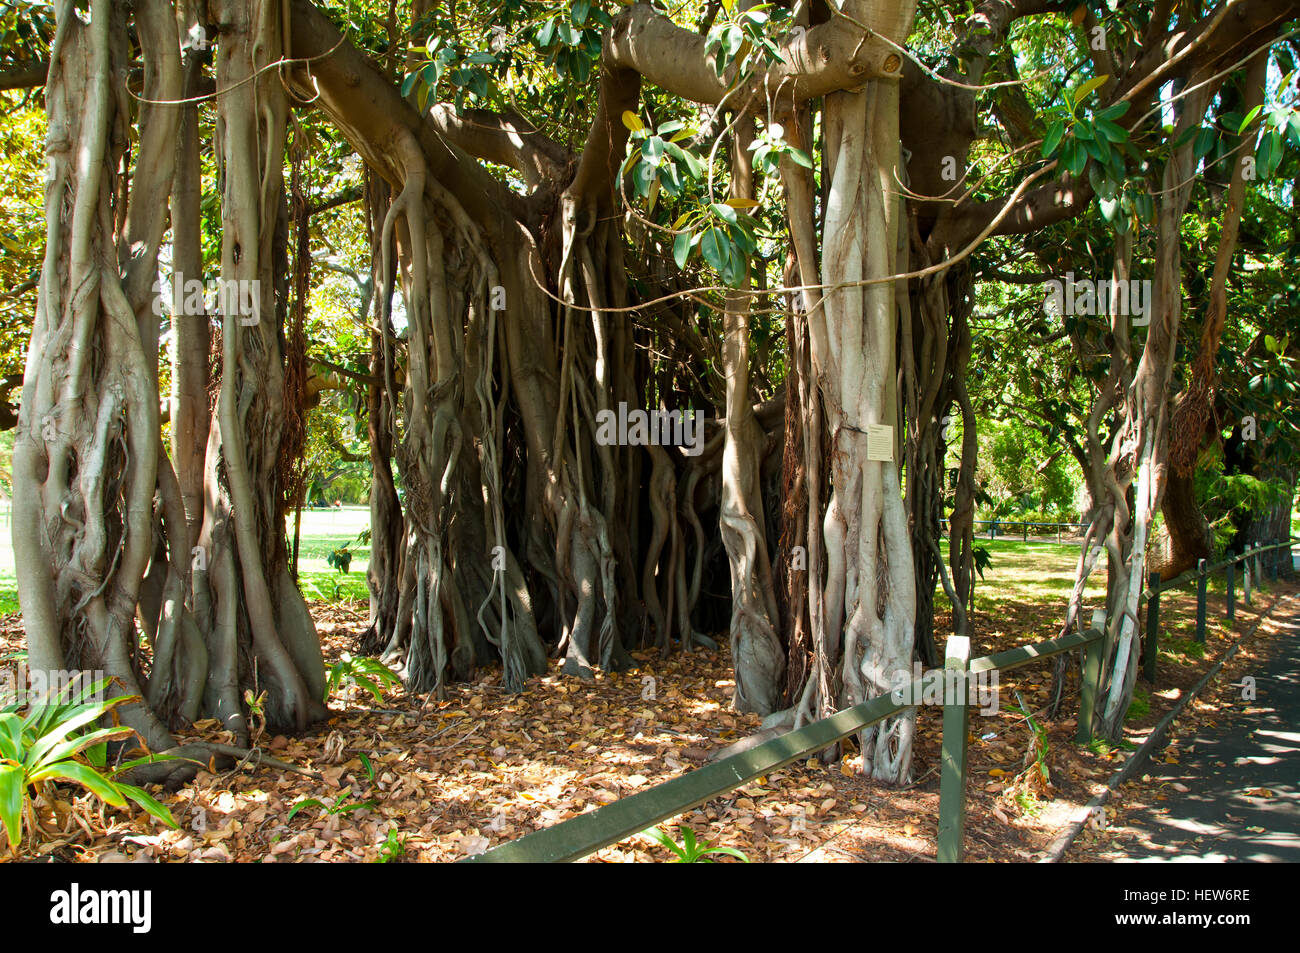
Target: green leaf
x=546 y=33
x=642 y=177
x=734 y=271
x=731 y=851
x=351 y=806
x=431 y=74
x=408 y=83
x=1073 y=156
x=1112 y=131
x=663 y=838
x=1275 y=152
x=743 y=239
x=732 y=39
x=1268 y=154
x=1205 y=139
x=151 y=806
x=1097 y=148
x=147 y=759
x=1087 y=88
x=653 y=149
x=681 y=248
x=78 y=718
x=799 y=156
x=308 y=802
x=1248 y=119
x=1145 y=206
x=81 y=774
x=1187 y=135
x=632 y=121
x=724 y=212
x=11 y=737
x=714 y=247
x=13 y=791
x=74 y=745
x=1053 y=138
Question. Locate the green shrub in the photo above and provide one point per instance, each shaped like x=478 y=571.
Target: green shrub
x=368 y=674
x=57 y=741
x=691 y=850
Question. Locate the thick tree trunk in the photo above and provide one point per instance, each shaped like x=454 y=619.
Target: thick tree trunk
x=1184 y=539
x=88 y=456
x=1187 y=536
x=755 y=646
x=191 y=333
x=931 y=364
x=1139 y=454
x=387 y=525
x=868 y=592
x=258 y=629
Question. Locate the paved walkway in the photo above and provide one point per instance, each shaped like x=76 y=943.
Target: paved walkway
x=1256 y=749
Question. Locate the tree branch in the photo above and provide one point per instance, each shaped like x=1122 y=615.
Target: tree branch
x=506 y=139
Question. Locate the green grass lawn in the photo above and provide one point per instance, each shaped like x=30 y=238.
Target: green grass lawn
x=1036 y=572
x=8 y=575
x=322 y=531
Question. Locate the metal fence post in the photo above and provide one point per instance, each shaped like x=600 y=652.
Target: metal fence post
x=956 y=725
x=1232 y=591
x=1201 y=583
x=1025 y=528
x=1272 y=562
x=1089 y=677
x=1246 y=579
x=1153 y=629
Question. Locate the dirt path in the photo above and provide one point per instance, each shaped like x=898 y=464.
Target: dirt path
x=1229 y=790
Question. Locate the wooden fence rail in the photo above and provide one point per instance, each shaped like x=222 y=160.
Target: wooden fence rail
x=1254 y=564
x=587 y=833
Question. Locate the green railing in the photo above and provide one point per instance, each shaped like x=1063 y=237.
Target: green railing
x=587 y=833
x=1258 y=561
x=1000 y=528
